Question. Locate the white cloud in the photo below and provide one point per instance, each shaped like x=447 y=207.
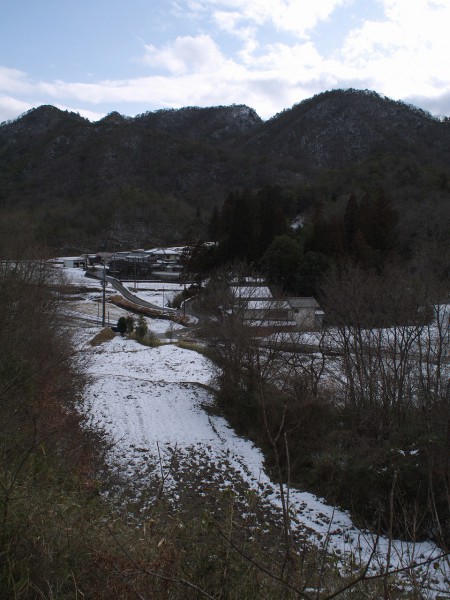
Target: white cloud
x=402 y=55
x=13 y=81
x=91 y=115
x=293 y=16
x=405 y=53
x=187 y=54
x=243 y=20
x=10 y=107
x=437 y=105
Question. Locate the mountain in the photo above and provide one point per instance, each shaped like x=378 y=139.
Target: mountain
x=339 y=128
x=136 y=180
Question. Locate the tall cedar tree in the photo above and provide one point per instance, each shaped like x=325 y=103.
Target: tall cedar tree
x=273 y=221
x=378 y=224
x=321 y=239
x=226 y=216
x=241 y=239
x=351 y=222
x=214 y=225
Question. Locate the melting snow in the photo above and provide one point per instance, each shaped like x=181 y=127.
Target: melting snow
x=151 y=403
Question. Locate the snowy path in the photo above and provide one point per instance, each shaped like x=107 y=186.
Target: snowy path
x=149 y=402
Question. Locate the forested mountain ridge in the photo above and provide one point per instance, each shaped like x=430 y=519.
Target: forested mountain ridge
x=153 y=150
x=339 y=128
x=131 y=180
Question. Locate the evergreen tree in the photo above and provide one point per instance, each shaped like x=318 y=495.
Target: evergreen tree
x=241 y=239
x=141 y=327
x=281 y=261
x=122 y=325
x=319 y=239
x=334 y=242
x=273 y=221
x=351 y=222
x=310 y=272
x=226 y=216
x=214 y=225
x=130 y=324
x=379 y=224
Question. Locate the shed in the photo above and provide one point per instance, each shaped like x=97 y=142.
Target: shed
x=307 y=312
x=74 y=262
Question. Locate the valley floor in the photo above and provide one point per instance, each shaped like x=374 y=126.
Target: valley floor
x=156 y=407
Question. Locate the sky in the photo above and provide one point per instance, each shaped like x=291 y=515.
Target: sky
x=98 y=56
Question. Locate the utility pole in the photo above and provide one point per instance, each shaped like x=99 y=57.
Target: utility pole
x=104 y=294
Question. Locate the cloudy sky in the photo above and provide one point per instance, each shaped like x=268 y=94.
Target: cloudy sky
x=96 y=56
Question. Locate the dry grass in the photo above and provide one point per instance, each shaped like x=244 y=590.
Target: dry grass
x=150 y=339
x=148 y=312
x=105 y=335
x=194 y=346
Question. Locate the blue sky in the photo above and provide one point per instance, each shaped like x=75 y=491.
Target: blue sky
x=96 y=56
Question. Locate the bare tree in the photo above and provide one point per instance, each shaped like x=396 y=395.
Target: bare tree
x=391 y=334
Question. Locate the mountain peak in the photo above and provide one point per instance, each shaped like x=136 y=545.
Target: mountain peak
x=44 y=118
x=214 y=122
x=336 y=128
x=113 y=118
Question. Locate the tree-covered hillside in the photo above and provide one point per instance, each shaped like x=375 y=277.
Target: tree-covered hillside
x=123 y=181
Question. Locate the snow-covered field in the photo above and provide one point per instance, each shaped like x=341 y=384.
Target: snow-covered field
x=152 y=404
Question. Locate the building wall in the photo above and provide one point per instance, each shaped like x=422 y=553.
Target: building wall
x=305 y=318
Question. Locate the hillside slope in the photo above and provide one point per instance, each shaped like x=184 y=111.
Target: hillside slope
x=121 y=171
x=338 y=128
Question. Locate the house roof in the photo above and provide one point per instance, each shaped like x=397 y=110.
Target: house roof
x=71 y=258
x=175 y=251
x=270 y=304
x=306 y=302
x=251 y=292
x=251 y=280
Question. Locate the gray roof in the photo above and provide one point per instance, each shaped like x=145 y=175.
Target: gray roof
x=251 y=292
x=307 y=302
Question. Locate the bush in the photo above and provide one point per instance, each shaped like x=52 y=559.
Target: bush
x=130 y=323
x=141 y=329
x=122 y=325
x=105 y=335
x=177 y=300
x=150 y=339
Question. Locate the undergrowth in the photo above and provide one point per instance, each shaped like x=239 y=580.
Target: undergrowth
x=194 y=346
x=63 y=538
x=150 y=339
